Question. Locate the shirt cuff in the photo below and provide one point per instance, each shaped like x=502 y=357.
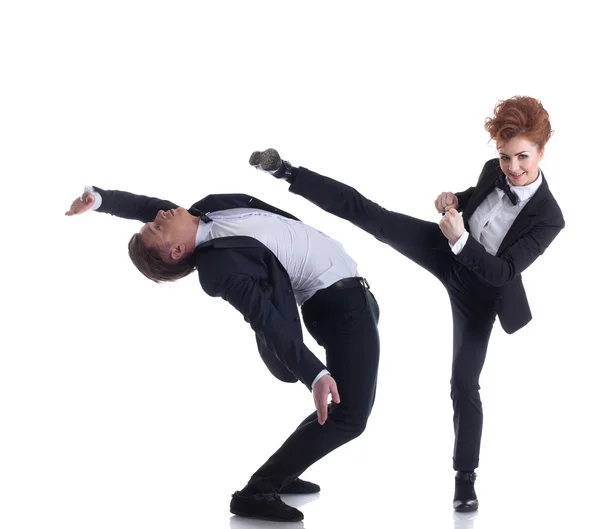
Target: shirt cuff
x=321 y=374
x=97 y=197
x=460 y=244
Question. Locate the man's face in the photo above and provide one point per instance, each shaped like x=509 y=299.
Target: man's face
x=171 y=232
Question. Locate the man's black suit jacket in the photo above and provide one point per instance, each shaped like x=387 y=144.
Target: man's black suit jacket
x=245 y=273
x=536 y=226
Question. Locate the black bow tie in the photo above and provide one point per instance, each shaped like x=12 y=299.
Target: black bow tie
x=203 y=216
x=502 y=184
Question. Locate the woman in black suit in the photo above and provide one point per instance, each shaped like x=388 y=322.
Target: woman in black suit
x=508 y=220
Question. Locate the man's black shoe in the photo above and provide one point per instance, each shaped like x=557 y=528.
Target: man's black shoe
x=299 y=486
x=263 y=506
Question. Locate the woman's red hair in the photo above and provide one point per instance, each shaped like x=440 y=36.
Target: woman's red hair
x=519 y=116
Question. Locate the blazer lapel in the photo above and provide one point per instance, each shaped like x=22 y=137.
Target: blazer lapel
x=482 y=191
x=232 y=201
x=219 y=203
x=235 y=241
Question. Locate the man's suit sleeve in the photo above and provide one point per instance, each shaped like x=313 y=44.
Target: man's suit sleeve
x=130 y=206
x=247 y=296
x=497 y=271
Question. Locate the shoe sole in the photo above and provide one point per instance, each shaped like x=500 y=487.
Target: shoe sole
x=265 y=518
x=268 y=160
x=467 y=509
x=283 y=491
x=303 y=493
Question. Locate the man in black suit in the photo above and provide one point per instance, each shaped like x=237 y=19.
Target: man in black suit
x=478 y=257
x=265 y=262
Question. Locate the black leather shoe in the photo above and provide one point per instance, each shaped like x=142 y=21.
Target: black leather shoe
x=261 y=506
x=465 y=499
x=270 y=162
x=299 y=486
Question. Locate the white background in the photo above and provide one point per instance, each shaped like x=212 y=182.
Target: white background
x=126 y=404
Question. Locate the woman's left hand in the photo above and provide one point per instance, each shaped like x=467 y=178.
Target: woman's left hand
x=452 y=225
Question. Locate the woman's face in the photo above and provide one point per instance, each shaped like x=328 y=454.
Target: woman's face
x=519 y=159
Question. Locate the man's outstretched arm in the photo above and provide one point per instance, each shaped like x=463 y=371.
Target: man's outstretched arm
x=119 y=203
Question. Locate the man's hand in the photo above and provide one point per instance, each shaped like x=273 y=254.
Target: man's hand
x=81 y=204
x=445 y=201
x=452 y=225
x=323 y=388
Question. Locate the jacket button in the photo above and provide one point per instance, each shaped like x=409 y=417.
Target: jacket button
x=476 y=268
x=464 y=259
x=296 y=319
x=289 y=292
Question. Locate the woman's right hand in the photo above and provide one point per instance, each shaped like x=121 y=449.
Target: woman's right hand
x=445 y=202
x=81 y=204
